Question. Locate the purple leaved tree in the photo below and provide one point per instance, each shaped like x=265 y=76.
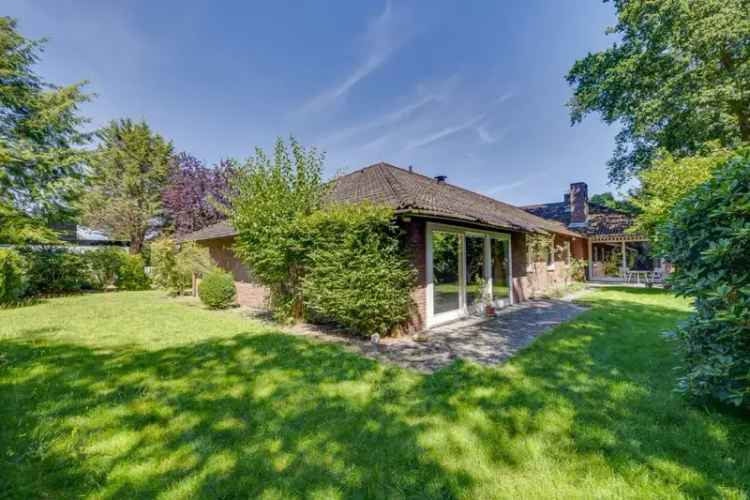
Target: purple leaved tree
x=196 y=195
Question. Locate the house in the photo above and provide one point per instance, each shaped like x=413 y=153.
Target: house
x=612 y=250
x=468 y=249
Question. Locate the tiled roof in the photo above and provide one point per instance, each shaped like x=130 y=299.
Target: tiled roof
x=412 y=193
x=602 y=220
x=219 y=230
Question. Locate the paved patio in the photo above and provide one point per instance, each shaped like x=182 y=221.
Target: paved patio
x=485 y=341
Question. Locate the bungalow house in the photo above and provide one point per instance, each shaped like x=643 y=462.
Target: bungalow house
x=468 y=249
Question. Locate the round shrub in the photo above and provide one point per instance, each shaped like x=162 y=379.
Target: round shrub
x=707 y=238
x=132 y=274
x=217 y=290
x=13 y=280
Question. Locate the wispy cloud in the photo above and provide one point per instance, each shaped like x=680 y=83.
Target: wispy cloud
x=385 y=34
x=505 y=187
x=485 y=136
x=445 y=132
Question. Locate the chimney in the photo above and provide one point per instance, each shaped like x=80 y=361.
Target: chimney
x=579 y=204
x=566 y=198
x=441 y=179
x=411 y=169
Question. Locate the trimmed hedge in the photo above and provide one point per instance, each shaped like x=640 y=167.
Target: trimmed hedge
x=707 y=238
x=104 y=266
x=358 y=274
x=132 y=274
x=13 y=278
x=55 y=270
x=217 y=290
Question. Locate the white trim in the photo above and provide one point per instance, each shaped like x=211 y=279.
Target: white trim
x=433 y=319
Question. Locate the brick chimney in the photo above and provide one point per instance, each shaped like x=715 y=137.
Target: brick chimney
x=579 y=204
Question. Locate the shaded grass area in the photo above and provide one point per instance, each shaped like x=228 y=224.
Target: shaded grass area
x=134 y=395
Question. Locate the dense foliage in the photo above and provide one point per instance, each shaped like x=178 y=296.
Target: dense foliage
x=271 y=199
x=358 y=273
x=40 y=142
x=707 y=238
x=608 y=200
x=678 y=78
x=131 y=274
x=104 y=266
x=217 y=289
x=55 y=270
x=128 y=173
x=196 y=195
x=173 y=266
x=13 y=278
x=668 y=181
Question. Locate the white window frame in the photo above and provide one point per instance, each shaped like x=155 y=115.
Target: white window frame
x=551 y=256
x=433 y=319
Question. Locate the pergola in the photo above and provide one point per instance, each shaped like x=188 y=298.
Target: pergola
x=613 y=239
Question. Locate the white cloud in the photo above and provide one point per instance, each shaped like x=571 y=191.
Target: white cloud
x=445 y=132
x=385 y=34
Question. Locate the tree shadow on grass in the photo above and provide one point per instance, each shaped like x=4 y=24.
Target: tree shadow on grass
x=277 y=416
x=248 y=416
x=612 y=375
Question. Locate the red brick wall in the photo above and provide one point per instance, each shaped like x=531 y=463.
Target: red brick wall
x=416 y=242
x=535 y=280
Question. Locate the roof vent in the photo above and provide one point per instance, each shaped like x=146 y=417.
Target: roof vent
x=441 y=179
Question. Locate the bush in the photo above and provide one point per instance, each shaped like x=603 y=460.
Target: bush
x=707 y=238
x=13 y=279
x=55 y=270
x=131 y=274
x=164 y=271
x=172 y=268
x=217 y=290
x=104 y=265
x=359 y=275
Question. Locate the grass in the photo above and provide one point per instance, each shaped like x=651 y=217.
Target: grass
x=134 y=395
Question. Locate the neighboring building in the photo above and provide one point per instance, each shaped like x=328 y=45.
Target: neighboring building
x=83 y=238
x=459 y=240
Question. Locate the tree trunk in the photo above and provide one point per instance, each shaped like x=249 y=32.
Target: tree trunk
x=136 y=245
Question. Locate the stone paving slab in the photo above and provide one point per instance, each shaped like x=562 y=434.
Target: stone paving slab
x=486 y=341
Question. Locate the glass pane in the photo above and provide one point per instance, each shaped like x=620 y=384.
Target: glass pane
x=499 y=269
x=474 y=269
x=445 y=271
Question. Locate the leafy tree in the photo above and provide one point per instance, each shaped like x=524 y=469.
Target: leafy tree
x=707 y=237
x=128 y=173
x=679 y=78
x=271 y=199
x=667 y=182
x=608 y=200
x=40 y=142
x=197 y=196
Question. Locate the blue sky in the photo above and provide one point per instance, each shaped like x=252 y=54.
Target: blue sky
x=471 y=90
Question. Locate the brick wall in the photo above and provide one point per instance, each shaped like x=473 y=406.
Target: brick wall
x=416 y=242
x=533 y=280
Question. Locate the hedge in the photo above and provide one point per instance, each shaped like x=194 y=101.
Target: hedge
x=358 y=274
x=707 y=238
x=217 y=289
x=13 y=277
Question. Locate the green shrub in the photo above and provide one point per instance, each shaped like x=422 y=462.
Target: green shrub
x=217 y=289
x=55 y=270
x=172 y=268
x=358 y=274
x=131 y=274
x=13 y=279
x=104 y=265
x=707 y=238
x=164 y=272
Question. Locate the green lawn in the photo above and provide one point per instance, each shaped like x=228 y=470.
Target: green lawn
x=135 y=395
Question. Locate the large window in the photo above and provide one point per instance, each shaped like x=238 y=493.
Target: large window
x=445 y=271
x=468 y=269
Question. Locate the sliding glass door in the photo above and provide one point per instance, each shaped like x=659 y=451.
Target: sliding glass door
x=467 y=270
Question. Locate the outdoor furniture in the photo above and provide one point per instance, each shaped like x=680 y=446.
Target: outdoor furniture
x=638 y=277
